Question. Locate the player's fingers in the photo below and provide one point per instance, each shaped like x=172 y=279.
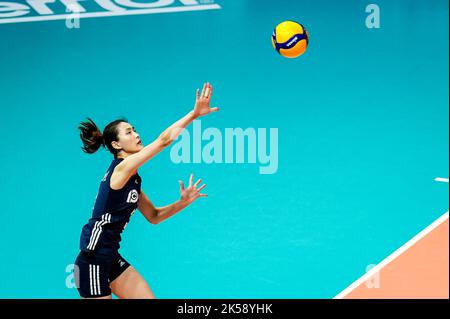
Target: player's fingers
x=198 y=182
x=201 y=187
x=203 y=90
x=191 y=178
x=181 y=185
x=197 y=94
x=210 y=91
x=207 y=94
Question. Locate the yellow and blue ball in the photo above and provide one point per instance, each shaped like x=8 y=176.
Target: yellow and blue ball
x=290 y=39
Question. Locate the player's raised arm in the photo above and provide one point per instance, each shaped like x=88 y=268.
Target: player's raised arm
x=202 y=107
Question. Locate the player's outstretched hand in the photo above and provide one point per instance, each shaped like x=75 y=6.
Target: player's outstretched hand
x=202 y=101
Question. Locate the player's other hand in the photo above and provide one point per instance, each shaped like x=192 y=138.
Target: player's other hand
x=192 y=192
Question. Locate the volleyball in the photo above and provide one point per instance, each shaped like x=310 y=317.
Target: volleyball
x=290 y=39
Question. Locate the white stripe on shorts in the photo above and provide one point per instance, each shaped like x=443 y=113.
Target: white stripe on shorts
x=98 y=280
x=90 y=279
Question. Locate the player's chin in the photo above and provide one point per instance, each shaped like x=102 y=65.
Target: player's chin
x=139 y=147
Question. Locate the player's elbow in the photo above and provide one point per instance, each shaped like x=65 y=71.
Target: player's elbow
x=154 y=218
x=165 y=139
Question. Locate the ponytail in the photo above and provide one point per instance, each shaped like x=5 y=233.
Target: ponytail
x=91 y=136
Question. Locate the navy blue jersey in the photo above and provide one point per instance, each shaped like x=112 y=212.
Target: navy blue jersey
x=111 y=213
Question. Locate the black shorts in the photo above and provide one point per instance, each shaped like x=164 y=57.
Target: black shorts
x=93 y=273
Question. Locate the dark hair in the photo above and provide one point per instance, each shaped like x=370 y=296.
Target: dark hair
x=93 y=138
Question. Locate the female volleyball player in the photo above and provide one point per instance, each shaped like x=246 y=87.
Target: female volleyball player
x=100 y=270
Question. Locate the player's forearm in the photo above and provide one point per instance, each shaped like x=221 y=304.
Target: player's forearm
x=165 y=139
x=171 y=133
x=162 y=213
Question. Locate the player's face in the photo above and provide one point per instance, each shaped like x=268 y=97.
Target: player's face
x=129 y=139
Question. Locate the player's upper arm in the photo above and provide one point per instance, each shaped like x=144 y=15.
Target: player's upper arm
x=119 y=177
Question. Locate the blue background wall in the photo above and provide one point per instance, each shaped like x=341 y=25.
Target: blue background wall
x=363 y=131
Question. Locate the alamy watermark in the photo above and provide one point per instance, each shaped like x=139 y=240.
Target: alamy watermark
x=73 y=276
x=73 y=19
x=228 y=146
x=373 y=19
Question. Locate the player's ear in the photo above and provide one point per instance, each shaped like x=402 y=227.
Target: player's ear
x=116 y=145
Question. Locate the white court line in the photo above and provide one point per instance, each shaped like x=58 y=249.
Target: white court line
x=111 y=13
x=440 y=179
x=394 y=255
